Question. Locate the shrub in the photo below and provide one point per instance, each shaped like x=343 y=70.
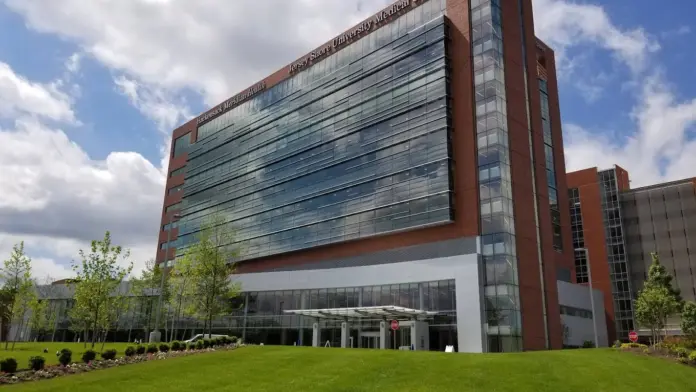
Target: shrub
x=164 y=347
x=140 y=350
x=192 y=346
x=217 y=342
x=89 y=356
x=207 y=343
x=37 y=363
x=681 y=352
x=200 y=345
x=673 y=342
x=109 y=354
x=176 y=345
x=587 y=344
x=632 y=345
x=152 y=348
x=130 y=351
x=683 y=360
x=65 y=356
x=8 y=365
x=233 y=339
x=692 y=357
x=617 y=344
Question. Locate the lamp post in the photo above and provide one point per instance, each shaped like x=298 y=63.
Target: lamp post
x=156 y=335
x=592 y=304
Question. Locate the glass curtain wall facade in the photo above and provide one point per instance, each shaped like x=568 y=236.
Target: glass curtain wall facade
x=504 y=326
x=550 y=165
x=581 y=272
x=616 y=251
x=264 y=320
x=354 y=146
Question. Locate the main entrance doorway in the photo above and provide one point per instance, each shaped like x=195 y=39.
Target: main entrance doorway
x=369 y=340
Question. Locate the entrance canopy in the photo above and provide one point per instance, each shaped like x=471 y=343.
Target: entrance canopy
x=364 y=312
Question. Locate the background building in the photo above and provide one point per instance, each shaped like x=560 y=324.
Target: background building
x=416 y=156
x=620 y=227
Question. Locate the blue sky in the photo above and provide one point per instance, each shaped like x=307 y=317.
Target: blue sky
x=90 y=91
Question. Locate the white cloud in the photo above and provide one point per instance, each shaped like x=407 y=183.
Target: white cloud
x=215 y=47
x=19 y=96
x=72 y=64
x=564 y=24
x=55 y=197
x=660 y=146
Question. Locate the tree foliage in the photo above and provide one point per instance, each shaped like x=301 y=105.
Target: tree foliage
x=212 y=258
x=688 y=319
x=181 y=289
x=659 y=277
x=652 y=308
x=146 y=287
x=18 y=288
x=98 y=297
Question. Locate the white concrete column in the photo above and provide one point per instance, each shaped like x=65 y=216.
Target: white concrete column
x=383 y=335
x=420 y=335
x=316 y=335
x=345 y=334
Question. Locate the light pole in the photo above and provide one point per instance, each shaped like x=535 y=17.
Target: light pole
x=589 y=280
x=156 y=335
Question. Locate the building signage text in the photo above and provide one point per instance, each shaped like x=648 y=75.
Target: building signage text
x=232 y=102
x=348 y=37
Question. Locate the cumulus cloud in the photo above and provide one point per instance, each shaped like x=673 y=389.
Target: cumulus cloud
x=211 y=46
x=660 y=145
x=55 y=197
x=19 y=96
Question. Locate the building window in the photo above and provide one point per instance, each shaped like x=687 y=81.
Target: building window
x=581 y=273
x=172 y=225
x=173 y=207
x=174 y=173
x=175 y=189
x=181 y=144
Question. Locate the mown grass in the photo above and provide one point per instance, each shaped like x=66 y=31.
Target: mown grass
x=291 y=369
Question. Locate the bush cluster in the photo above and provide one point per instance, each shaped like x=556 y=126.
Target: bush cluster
x=109 y=354
x=632 y=345
x=176 y=345
x=164 y=347
x=89 y=356
x=65 y=356
x=207 y=343
x=8 y=365
x=200 y=345
x=617 y=344
x=140 y=349
x=130 y=351
x=152 y=348
x=37 y=363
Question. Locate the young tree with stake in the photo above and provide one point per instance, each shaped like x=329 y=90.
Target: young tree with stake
x=99 y=276
x=18 y=287
x=212 y=259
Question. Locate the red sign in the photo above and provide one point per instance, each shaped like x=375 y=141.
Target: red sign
x=394 y=325
x=633 y=336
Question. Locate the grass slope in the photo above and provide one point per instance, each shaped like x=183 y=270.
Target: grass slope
x=23 y=351
x=322 y=369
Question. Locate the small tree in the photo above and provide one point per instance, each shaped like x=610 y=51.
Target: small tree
x=181 y=288
x=99 y=277
x=18 y=287
x=40 y=313
x=688 y=319
x=652 y=308
x=659 y=277
x=212 y=257
x=147 y=287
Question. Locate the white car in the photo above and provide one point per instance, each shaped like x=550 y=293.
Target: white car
x=201 y=336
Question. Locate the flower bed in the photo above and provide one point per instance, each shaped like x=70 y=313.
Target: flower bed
x=76 y=368
x=671 y=349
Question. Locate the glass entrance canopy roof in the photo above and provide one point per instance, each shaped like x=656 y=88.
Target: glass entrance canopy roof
x=364 y=312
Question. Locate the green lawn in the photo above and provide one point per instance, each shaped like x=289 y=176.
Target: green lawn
x=23 y=351
x=303 y=369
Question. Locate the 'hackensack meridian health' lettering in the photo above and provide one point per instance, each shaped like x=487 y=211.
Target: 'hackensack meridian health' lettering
x=347 y=37
x=232 y=102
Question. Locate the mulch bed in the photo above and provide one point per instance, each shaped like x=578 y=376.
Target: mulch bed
x=77 y=368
